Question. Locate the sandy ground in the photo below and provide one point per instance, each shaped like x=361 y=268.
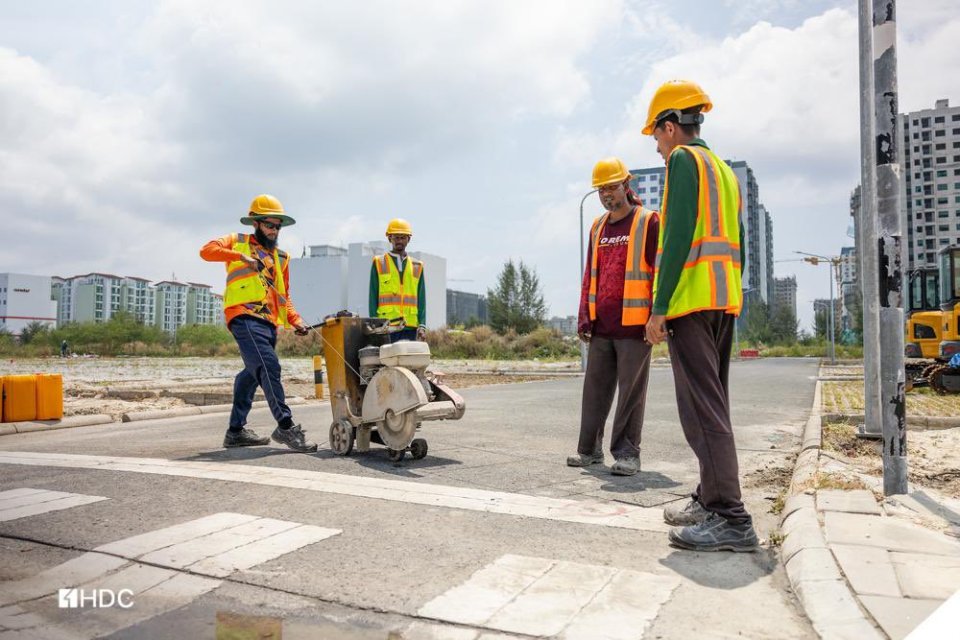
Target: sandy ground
x=116 y=386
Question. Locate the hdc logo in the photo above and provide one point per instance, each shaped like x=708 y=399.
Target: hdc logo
x=94 y=598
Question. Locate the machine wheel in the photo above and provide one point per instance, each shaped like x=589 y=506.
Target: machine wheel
x=418 y=448
x=341 y=438
x=397 y=429
x=395 y=455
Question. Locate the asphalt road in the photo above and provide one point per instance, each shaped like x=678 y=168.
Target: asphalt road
x=490 y=518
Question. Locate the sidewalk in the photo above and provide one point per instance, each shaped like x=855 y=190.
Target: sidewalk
x=864 y=566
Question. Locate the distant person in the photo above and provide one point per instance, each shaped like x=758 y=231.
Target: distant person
x=697 y=296
x=255 y=303
x=64 y=349
x=397 y=288
x=614 y=306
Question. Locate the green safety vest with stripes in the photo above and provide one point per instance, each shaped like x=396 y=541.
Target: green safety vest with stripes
x=711 y=274
x=246 y=285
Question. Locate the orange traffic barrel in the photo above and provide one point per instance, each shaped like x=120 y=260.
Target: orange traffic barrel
x=19 y=398
x=49 y=396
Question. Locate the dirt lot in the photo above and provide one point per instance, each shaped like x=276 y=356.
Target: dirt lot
x=120 y=385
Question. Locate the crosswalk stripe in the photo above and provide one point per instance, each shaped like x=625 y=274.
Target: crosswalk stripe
x=21 y=503
x=553 y=598
x=592 y=512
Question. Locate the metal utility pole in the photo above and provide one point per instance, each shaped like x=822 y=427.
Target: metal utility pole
x=583 y=266
x=867 y=238
x=833 y=261
x=890 y=249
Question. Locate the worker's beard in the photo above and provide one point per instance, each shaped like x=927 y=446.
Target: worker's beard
x=264 y=241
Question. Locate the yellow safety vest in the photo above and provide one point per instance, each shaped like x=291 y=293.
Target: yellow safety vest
x=711 y=275
x=637 y=279
x=245 y=285
x=397 y=298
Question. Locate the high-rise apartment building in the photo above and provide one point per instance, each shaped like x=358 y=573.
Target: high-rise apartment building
x=171 y=305
x=930 y=183
x=785 y=293
x=203 y=305
x=139 y=299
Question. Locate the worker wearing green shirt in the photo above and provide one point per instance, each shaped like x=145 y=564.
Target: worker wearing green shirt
x=697 y=296
x=397 y=290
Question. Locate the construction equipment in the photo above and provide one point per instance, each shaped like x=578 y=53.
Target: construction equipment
x=381 y=392
x=936 y=322
x=924 y=318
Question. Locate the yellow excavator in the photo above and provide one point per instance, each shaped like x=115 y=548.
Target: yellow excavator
x=943 y=375
x=924 y=319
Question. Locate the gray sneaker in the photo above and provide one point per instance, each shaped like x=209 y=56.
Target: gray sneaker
x=585 y=460
x=685 y=514
x=244 y=438
x=715 y=534
x=625 y=467
x=294 y=438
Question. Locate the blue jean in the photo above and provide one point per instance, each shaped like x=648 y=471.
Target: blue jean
x=257 y=340
x=405 y=334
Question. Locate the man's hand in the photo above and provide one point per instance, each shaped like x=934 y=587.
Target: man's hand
x=301 y=329
x=585 y=336
x=251 y=262
x=422 y=333
x=656 y=330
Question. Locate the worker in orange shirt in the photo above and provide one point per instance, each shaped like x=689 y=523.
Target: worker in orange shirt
x=257 y=301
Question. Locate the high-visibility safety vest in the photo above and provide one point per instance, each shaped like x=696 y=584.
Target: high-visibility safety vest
x=638 y=276
x=711 y=274
x=397 y=297
x=245 y=285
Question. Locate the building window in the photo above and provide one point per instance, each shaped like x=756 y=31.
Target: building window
x=942 y=200
x=942 y=186
x=939 y=134
x=940 y=146
x=942 y=160
x=941 y=173
x=938 y=120
x=955 y=117
x=944 y=227
x=924 y=122
x=943 y=214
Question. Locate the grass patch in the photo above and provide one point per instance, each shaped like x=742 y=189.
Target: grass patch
x=842 y=438
x=839 y=481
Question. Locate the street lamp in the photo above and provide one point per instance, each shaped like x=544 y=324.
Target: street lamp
x=815 y=259
x=583 y=347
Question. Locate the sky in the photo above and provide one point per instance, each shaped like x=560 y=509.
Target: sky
x=132 y=132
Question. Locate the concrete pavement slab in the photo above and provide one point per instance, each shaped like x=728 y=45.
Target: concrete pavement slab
x=929 y=581
x=899 y=616
x=830 y=604
x=885 y=532
x=860 y=501
x=868 y=569
x=813 y=563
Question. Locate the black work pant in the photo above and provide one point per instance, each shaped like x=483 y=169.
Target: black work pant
x=621 y=365
x=700 y=354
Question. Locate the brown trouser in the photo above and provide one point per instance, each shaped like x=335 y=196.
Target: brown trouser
x=700 y=354
x=621 y=365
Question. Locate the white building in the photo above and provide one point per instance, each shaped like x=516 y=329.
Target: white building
x=171 y=305
x=203 y=305
x=318 y=282
x=94 y=297
x=331 y=278
x=25 y=299
x=139 y=299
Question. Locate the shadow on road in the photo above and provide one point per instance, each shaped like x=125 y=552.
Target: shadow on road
x=377 y=459
x=238 y=453
x=630 y=484
x=722 y=569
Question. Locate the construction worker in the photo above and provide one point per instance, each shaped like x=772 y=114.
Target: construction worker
x=256 y=301
x=697 y=297
x=397 y=289
x=614 y=307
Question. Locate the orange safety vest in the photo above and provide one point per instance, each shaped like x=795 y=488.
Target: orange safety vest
x=246 y=286
x=638 y=276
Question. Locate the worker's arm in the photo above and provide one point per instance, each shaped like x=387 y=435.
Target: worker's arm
x=221 y=250
x=293 y=317
x=374 y=290
x=584 y=326
x=422 y=300
x=679 y=222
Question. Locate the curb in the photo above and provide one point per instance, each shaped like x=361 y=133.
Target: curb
x=160 y=414
x=916 y=422
x=811 y=568
x=9 y=428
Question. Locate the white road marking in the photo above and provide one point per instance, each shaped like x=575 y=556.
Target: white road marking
x=543 y=597
x=593 y=512
x=216 y=546
x=20 y=503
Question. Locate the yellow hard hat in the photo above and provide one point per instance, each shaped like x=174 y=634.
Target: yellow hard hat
x=676 y=95
x=267 y=206
x=399 y=226
x=609 y=171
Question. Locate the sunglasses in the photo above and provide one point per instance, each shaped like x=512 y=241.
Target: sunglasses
x=271 y=225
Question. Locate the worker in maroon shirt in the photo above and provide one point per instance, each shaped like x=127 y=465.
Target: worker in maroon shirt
x=614 y=308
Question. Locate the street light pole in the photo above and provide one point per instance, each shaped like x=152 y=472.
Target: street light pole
x=833 y=261
x=583 y=266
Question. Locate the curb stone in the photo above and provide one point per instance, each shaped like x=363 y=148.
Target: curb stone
x=914 y=422
x=811 y=568
x=9 y=428
x=160 y=414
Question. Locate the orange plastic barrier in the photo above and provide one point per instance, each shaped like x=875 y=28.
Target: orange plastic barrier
x=1 y=398
x=19 y=398
x=49 y=396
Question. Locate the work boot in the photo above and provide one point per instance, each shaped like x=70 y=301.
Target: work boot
x=243 y=438
x=685 y=514
x=585 y=460
x=625 y=466
x=715 y=534
x=295 y=438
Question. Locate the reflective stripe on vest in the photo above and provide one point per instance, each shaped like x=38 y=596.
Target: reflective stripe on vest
x=711 y=276
x=246 y=286
x=396 y=296
x=638 y=273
